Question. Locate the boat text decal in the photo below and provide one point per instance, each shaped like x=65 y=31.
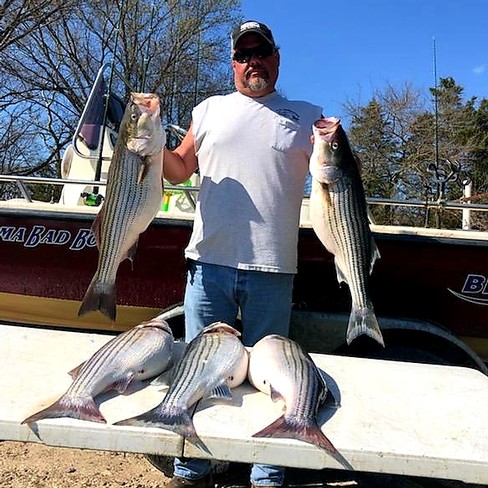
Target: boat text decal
x=40 y=234
x=475 y=290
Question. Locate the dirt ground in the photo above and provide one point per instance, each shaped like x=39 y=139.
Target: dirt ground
x=31 y=465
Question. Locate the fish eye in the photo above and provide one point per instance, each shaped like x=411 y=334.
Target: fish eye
x=335 y=145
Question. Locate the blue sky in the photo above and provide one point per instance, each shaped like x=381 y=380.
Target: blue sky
x=332 y=51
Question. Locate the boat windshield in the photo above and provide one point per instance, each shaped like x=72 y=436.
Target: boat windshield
x=92 y=120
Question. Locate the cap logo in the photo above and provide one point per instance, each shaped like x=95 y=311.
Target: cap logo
x=250 y=25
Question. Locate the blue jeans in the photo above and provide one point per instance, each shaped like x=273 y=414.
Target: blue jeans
x=217 y=293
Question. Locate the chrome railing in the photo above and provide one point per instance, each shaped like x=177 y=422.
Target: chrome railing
x=22 y=181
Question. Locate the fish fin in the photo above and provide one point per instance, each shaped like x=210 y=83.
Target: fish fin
x=326 y=194
x=174 y=419
x=375 y=254
x=220 y=328
x=363 y=321
x=341 y=278
x=75 y=372
x=78 y=408
x=195 y=439
x=275 y=395
x=370 y=215
x=131 y=253
x=100 y=297
x=164 y=379
x=143 y=170
x=122 y=385
x=222 y=392
x=96 y=226
x=304 y=430
x=358 y=161
x=330 y=400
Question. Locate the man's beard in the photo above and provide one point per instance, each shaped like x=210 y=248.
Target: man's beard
x=256 y=84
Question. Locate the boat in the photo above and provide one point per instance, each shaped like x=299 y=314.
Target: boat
x=429 y=288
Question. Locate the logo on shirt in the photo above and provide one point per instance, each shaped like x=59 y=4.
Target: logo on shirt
x=289 y=114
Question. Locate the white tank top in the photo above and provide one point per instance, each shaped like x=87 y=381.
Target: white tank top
x=253 y=158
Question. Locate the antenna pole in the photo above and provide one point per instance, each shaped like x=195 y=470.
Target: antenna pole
x=98 y=169
x=436 y=110
x=146 y=57
x=436 y=137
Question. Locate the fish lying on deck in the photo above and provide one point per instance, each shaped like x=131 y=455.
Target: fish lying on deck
x=279 y=367
x=338 y=211
x=140 y=353
x=213 y=362
x=133 y=197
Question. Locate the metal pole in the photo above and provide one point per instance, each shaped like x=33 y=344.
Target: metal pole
x=436 y=130
x=146 y=57
x=436 y=110
x=467 y=190
x=98 y=170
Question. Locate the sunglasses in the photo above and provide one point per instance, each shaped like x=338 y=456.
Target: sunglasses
x=244 y=55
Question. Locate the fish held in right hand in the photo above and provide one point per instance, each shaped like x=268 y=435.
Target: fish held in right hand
x=338 y=211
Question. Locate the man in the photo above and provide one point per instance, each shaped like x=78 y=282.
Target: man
x=252 y=149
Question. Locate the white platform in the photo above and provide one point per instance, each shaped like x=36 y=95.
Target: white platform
x=396 y=418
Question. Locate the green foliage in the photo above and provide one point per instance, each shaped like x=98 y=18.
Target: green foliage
x=411 y=148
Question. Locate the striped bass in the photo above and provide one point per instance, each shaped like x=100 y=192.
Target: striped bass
x=213 y=362
x=279 y=367
x=133 y=198
x=140 y=353
x=338 y=212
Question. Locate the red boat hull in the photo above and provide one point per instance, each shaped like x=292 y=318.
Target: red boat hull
x=48 y=259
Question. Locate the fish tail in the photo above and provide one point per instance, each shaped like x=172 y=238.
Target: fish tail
x=363 y=321
x=317 y=437
x=175 y=419
x=100 y=296
x=79 y=408
x=306 y=431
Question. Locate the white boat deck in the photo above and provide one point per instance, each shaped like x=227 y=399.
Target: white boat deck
x=180 y=209
x=396 y=418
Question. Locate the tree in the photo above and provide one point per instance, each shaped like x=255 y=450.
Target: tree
x=411 y=151
x=20 y=18
x=178 y=49
x=380 y=133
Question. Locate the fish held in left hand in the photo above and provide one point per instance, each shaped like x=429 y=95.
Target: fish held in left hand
x=143 y=352
x=339 y=216
x=279 y=367
x=133 y=198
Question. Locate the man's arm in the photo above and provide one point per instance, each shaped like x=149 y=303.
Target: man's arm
x=181 y=163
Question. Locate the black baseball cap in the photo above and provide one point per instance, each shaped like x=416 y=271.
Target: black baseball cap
x=253 y=26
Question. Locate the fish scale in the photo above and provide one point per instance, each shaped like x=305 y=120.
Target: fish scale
x=214 y=362
x=140 y=353
x=188 y=379
x=338 y=212
x=279 y=367
x=87 y=378
x=133 y=198
x=348 y=229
